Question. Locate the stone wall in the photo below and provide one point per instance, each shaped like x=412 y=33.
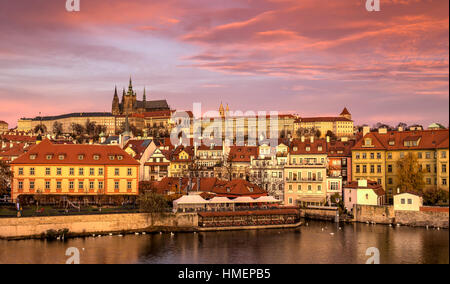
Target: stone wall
x=318 y=214
x=377 y=214
x=433 y=217
x=422 y=218
x=89 y=224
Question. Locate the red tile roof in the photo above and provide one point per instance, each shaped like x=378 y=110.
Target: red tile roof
x=243 y=153
x=71 y=154
x=298 y=147
x=427 y=139
x=345 y=111
x=324 y=119
x=377 y=188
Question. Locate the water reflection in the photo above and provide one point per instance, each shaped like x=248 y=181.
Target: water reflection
x=319 y=242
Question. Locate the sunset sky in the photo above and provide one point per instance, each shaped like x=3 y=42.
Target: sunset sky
x=307 y=57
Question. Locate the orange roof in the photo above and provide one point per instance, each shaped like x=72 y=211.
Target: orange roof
x=298 y=147
x=377 y=188
x=243 y=153
x=345 y=111
x=395 y=140
x=48 y=153
x=324 y=119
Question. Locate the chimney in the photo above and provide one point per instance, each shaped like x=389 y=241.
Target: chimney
x=366 y=129
x=398 y=190
x=303 y=138
x=311 y=139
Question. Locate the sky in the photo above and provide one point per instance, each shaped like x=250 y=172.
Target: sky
x=305 y=57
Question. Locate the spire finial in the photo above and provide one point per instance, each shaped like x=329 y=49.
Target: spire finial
x=144 y=98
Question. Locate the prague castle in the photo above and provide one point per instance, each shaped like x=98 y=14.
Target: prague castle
x=130 y=104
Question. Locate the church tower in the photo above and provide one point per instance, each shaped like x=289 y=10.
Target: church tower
x=115 y=103
x=346 y=114
x=221 y=110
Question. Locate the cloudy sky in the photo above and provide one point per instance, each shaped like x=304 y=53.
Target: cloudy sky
x=307 y=57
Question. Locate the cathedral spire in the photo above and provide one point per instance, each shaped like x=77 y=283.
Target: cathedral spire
x=144 y=97
x=130 y=88
x=115 y=91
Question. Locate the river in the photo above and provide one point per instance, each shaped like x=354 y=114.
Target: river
x=316 y=242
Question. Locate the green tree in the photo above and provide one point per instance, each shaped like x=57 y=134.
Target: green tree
x=5 y=177
x=410 y=177
x=151 y=202
x=40 y=128
x=57 y=128
x=435 y=196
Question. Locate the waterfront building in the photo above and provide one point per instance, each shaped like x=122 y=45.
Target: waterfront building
x=375 y=157
x=207 y=158
x=306 y=172
x=363 y=192
x=341 y=126
x=408 y=201
x=181 y=160
x=267 y=169
x=340 y=159
x=74 y=170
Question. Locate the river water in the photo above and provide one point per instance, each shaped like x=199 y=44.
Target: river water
x=317 y=242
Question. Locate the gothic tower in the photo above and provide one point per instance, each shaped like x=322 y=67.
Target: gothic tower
x=115 y=103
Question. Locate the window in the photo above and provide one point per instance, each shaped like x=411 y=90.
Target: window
x=379 y=181
x=319 y=188
x=403 y=201
x=31 y=184
x=309 y=187
x=91 y=171
x=80 y=157
x=378 y=155
x=33 y=157
x=71 y=186
x=58 y=185
x=71 y=171
x=444 y=155
x=129 y=171
x=49 y=157
x=20 y=171
x=419 y=155
x=364 y=155
x=372 y=169
x=358 y=170
x=409 y=201
x=47 y=171
x=96 y=157
x=100 y=185
x=367 y=196
x=357 y=156
x=444 y=181
x=80 y=184
x=390 y=181
x=58 y=171
x=47 y=185
x=61 y=157
x=32 y=171
x=100 y=171
x=20 y=185
x=444 y=168
x=116 y=171
x=364 y=169
x=91 y=185
x=111 y=157
x=402 y=155
x=379 y=169
x=428 y=155
x=428 y=181
x=389 y=156
x=129 y=185
x=119 y=158
x=299 y=187
x=116 y=185
x=372 y=155
x=428 y=169
x=389 y=168
x=81 y=171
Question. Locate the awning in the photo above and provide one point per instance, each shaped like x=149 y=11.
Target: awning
x=267 y=199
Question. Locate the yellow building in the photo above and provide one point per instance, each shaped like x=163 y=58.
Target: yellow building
x=3 y=126
x=306 y=173
x=341 y=126
x=180 y=161
x=74 y=170
x=407 y=202
x=375 y=157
